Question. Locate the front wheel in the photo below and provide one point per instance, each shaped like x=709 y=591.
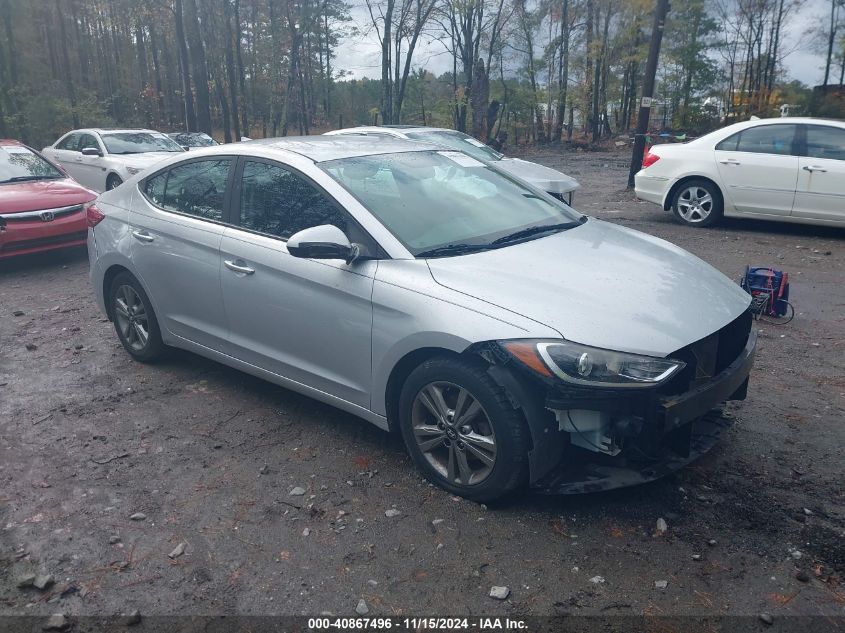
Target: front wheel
x=113 y=182
x=461 y=429
x=697 y=203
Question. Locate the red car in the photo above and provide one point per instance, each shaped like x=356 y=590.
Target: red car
x=41 y=207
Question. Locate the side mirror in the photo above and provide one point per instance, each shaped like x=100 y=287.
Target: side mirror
x=187 y=148
x=91 y=151
x=322 y=242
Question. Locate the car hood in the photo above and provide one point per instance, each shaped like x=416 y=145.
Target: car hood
x=42 y=194
x=603 y=285
x=540 y=176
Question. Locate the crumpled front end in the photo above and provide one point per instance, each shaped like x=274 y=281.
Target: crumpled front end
x=587 y=439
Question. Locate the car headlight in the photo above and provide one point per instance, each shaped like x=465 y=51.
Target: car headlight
x=134 y=170
x=592 y=366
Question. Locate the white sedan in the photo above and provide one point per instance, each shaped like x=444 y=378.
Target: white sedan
x=787 y=169
x=550 y=180
x=102 y=159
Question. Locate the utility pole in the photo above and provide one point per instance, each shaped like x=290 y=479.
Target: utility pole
x=660 y=12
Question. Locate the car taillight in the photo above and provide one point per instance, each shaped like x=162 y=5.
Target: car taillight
x=649 y=159
x=95 y=216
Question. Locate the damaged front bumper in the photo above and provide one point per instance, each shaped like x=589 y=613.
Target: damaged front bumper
x=621 y=439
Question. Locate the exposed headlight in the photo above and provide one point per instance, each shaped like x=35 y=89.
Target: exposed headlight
x=134 y=170
x=592 y=366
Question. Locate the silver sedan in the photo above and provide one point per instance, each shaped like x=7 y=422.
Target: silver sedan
x=509 y=339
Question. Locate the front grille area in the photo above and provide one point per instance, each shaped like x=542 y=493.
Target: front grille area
x=29 y=216
x=711 y=355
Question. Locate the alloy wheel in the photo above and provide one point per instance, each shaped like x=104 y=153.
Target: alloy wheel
x=453 y=432
x=695 y=204
x=131 y=317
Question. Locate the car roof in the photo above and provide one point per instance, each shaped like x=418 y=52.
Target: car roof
x=108 y=130
x=123 y=129
x=397 y=130
x=322 y=148
x=788 y=119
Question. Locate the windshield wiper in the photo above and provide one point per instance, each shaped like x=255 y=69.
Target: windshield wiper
x=453 y=249
x=29 y=178
x=536 y=230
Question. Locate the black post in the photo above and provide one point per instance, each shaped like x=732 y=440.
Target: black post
x=660 y=12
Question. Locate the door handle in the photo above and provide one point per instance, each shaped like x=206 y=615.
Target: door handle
x=812 y=168
x=142 y=236
x=729 y=161
x=238 y=268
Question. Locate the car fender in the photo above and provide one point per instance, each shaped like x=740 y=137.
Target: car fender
x=419 y=314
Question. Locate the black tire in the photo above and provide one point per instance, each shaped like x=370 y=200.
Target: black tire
x=508 y=428
x=697 y=203
x=126 y=289
x=113 y=181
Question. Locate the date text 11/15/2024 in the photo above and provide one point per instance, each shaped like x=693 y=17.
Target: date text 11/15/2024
x=415 y=624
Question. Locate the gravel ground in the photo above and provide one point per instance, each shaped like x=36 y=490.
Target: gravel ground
x=210 y=457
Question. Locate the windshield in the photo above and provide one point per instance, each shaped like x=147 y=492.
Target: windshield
x=197 y=139
x=139 y=142
x=434 y=199
x=459 y=141
x=18 y=164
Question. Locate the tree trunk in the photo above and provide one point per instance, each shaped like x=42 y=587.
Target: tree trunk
x=241 y=73
x=187 y=93
x=386 y=86
x=199 y=70
x=480 y=98
x=830 y=40
x=157 y=77
x=143 y=73
x=71 y=93
x=563 y=71
x=232 y=70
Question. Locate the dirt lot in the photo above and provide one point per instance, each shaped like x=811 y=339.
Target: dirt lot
x=209 y=455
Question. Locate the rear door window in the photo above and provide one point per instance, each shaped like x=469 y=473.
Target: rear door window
x=197 y=188
x=764 y=139
x=824 y=141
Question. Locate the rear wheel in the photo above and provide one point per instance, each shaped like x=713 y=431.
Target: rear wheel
x=113 y=181
x=134 y=319
x=697 y=203
x=462 y=431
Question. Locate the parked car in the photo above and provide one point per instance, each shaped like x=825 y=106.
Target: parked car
x=102 y=159
x=556 y=183
x=508 y=338
x=787 y=169
x=190 y=140
x=41 y=208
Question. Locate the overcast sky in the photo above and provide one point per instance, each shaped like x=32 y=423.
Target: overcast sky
x=360 y=56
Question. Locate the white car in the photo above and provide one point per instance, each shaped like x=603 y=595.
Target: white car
x=549 y=180
x=102 y=159
x=787 y=169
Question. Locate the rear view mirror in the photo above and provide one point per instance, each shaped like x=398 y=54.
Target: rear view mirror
x=322 y=242
x=91 y=151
